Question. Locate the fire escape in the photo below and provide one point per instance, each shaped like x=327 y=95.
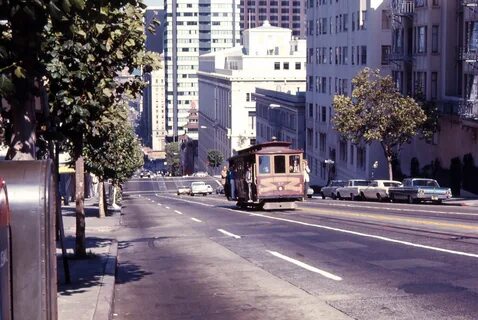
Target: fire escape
x=401 y=57
x=468 y=55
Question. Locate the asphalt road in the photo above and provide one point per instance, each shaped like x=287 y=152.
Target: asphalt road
x=201 y=258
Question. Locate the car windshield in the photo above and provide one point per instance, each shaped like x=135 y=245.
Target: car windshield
x=198 y=184
x=425 y=183
x=361 y=183
x=391 y=184
x=337 y=184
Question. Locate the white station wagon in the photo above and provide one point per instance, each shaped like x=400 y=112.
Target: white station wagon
x=378 y=189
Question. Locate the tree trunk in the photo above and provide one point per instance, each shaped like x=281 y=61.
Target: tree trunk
x=101 y=199
x=80 y=246
x=390 y=167
x=113 y=202
x=23 y=139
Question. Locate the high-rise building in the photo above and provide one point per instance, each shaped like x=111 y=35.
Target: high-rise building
x=270 y=59
x=290 y=14
x=192 y=28
x=154 y=111
x=343 y=37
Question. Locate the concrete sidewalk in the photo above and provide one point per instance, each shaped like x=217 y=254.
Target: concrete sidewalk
x=90 y=293
x=464 y=202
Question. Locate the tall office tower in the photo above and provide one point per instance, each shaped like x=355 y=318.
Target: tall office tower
x=343 y=37
x=426 y=64
x=154 y=111
x=290 y=14
x=193 y=28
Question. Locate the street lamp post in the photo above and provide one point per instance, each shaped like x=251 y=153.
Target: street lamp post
x=329 y=163
x=374 y=167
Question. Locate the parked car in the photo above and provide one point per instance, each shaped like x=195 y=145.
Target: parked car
x=198 y=187
x=183 y=190
x=378 y=189
x=330 y=191
x=419 y=189
x=352 y=189
x=209 y=188
x=310 y=192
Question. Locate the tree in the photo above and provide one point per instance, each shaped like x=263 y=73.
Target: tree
x=114 y=153
x=215 y=158
x=21 y=69
x=83 y=68
x=378 y=112
x=173 y=158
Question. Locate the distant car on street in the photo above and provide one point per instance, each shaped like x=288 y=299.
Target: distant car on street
x=220 y=190
x=310 y=193
x=198 y=187
x=183 y=190
x=200 y=174
x=330 y=190
x=352 y=189
x=209 y=189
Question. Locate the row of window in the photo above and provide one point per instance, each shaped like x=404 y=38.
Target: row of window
x=326 y=25
x=284 y=3
x=341 y=85
x=340 y=55
x=286 y=66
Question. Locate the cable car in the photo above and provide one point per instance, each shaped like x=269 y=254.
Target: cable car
x=267 y=176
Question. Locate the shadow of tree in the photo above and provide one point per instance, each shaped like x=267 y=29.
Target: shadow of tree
x=91 y=211
x=87 y=272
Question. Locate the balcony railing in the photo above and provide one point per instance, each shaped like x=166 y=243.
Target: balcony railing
x=399 y=57
x=403 y=7
x=468 y=110
x=467 y=55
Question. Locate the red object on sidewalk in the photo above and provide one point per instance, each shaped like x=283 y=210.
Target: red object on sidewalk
x=4 y=208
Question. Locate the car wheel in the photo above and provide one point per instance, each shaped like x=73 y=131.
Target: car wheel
x=352 y=197
x=339 y=196
x=379 y=197
x=410 y=200
x=362 y=196
x=437 y=201
x=310 y=197
x=192 y=194
x=323 y=195
x=333 y=196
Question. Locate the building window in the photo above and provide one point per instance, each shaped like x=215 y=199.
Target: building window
x=311 y=110
x=323 y=143
x=421 y=39
x=386 y=50
x=434 y=84
x=435 y=39
x=386 y=21
x=276 y=65
x=363 y=55
x=361 y=157
x=297 y=66
x=324 y=114
x=286 y=66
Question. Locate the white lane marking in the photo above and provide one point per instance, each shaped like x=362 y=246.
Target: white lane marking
x=159 y=204
x=197 y=220
x=227 y=233
x=306 y=266
x=365 y=235
x=167 y=207
x=356 y=206
x=200 y=203
x=178 y=212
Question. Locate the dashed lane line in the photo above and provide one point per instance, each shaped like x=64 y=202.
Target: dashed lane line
x=197 y=220
x=178 y=212
x=365 y=235
x=227 y=233
x=306 y=266
x=167 y=207
x=189 y=201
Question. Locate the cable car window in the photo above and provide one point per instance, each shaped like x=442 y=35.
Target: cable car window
x=279 y=164
x=264 y=165
x=294 y=163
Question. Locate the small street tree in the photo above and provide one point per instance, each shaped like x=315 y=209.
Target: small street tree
x=378 y=112
x=173 y=158
x=215 y=158
x=114 y=153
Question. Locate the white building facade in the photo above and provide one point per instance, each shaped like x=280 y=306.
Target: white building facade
x=271 y=59
x=154 y=111
x=343 y=37
x=192 y=28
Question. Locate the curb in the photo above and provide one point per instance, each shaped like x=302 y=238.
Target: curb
x=104 y=303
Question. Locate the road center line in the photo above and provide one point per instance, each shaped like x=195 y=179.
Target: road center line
x=227 y=233
x=159 y=204
x=306 y=266
x=199 y=203
x=178 y=212
x=365 y=235
x=167 y=207
x=197 y=220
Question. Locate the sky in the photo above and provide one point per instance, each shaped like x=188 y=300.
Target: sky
x=153 y=2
